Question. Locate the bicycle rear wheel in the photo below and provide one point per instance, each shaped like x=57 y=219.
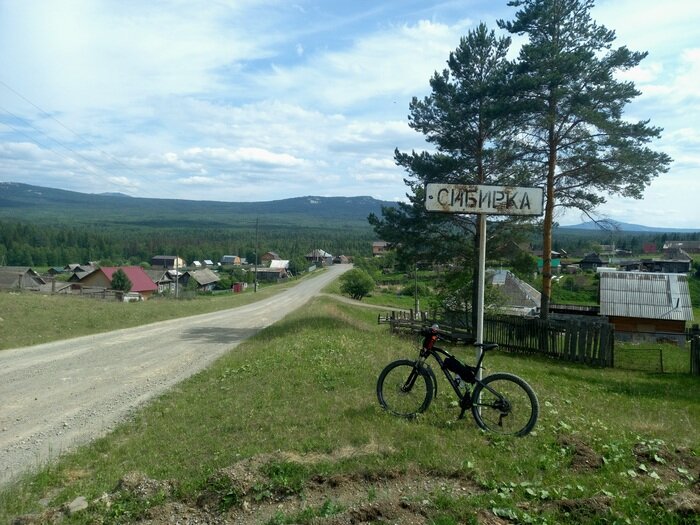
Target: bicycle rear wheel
x=404 y=388
x=505 y=404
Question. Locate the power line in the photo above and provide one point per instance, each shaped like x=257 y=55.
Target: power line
x=91 y=163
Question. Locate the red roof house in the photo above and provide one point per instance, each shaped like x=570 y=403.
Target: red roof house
x=140 y=281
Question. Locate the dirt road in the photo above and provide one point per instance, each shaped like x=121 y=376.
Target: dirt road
x=56 y=396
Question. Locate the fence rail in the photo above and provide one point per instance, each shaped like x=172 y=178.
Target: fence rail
x=590 y=342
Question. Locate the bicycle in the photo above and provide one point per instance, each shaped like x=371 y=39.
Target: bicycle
x=502 y=402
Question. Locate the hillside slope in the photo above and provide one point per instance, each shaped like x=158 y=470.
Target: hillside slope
x=36 y=203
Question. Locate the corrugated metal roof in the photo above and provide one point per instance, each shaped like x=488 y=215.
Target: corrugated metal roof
x=645 y=295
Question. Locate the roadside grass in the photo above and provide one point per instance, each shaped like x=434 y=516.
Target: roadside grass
x=28 y=318
x=611 y=446
x=379 y=297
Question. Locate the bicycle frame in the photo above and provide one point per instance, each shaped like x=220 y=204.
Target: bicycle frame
x=465 y=401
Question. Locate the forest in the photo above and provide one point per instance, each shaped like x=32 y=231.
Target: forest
x=27 y=244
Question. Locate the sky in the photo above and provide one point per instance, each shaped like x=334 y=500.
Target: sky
x=258 y=100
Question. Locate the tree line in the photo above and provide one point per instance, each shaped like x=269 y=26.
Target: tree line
x=27 y=244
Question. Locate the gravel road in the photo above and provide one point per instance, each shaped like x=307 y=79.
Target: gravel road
x=57 y=396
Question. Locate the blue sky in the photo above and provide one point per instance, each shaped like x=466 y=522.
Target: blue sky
x=255 y=100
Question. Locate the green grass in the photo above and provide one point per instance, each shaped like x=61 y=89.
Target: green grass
x=306 y=386
x=29 y=318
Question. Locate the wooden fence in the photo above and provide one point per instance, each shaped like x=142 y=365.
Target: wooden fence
x=580 y=341
x=695 y=356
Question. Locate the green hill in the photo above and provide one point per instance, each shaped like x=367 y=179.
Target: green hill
x=40 y=204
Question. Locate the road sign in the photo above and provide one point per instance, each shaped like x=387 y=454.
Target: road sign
x=489 y=200
x=484 y=200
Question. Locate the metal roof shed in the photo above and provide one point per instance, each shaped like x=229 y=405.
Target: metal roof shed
x=646 y=302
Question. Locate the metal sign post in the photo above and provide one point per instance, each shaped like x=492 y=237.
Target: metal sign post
x=483 y=200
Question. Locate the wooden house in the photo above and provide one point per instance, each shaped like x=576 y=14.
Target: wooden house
x=20 y=278
x=141 y=283
x=319 y=256
x=168 y=262
x=645 y=306
x=231 y=259
x=205 y=278
x=379 y=248
x=268 y=257
x=591 y=261
x=686 y=246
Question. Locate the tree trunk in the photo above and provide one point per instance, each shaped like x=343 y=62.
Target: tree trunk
x=549 y=213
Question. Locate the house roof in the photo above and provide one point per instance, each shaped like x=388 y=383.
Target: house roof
x=140 y=281
x=204 y=276
x=645 y=295
x=319 y=253
x=517 y=292
x=279 y=263
x=159 y=276
x=592 y=258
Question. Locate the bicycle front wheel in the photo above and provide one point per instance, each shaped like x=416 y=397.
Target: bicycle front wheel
x=404 y=388
x=505 y=404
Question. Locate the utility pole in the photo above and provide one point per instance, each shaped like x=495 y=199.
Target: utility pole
x=255 y=284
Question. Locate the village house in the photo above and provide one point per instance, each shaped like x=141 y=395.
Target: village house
x=231 y=259
x=379 y=248
x=686 y=246
x=645 y=306
x=168 y=262
x=163 y=279
x=272 y=274
x=20 y=278
x=205 y=279
x=267 y=257
x=319 y=256
x=519 y=297
x=141 y=283
x=591 y=262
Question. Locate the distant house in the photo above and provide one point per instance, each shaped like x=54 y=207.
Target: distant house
x=79 y=271
x=646 y=305
x=20 y=278
x=319 y=257
x=197 y=264
x=266 y=257
x=168 y=262
x=163 y=279
x=272 y=274
x=279 y=263
x=520 y=298
x=141 y=283
x=674 y=261
x=686 y=246
x=342 y=259
x=206 y=279
x=231 y=259
x=591 y=261
x=379 y=248
x=649 y=247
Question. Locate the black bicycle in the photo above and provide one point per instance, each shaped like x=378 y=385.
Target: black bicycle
x=502 y=403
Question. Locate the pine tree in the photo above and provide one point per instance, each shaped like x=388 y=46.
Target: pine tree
x=577 y=143
x=120 y=281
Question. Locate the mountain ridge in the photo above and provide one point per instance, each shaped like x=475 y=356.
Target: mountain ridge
x=612 y=225
x=45 y=204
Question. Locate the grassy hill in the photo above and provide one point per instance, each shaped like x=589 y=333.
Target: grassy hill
x=287 y=429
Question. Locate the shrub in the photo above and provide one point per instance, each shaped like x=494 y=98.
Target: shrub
x=356 y=283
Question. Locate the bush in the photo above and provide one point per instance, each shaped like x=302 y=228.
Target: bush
x=356 y=283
